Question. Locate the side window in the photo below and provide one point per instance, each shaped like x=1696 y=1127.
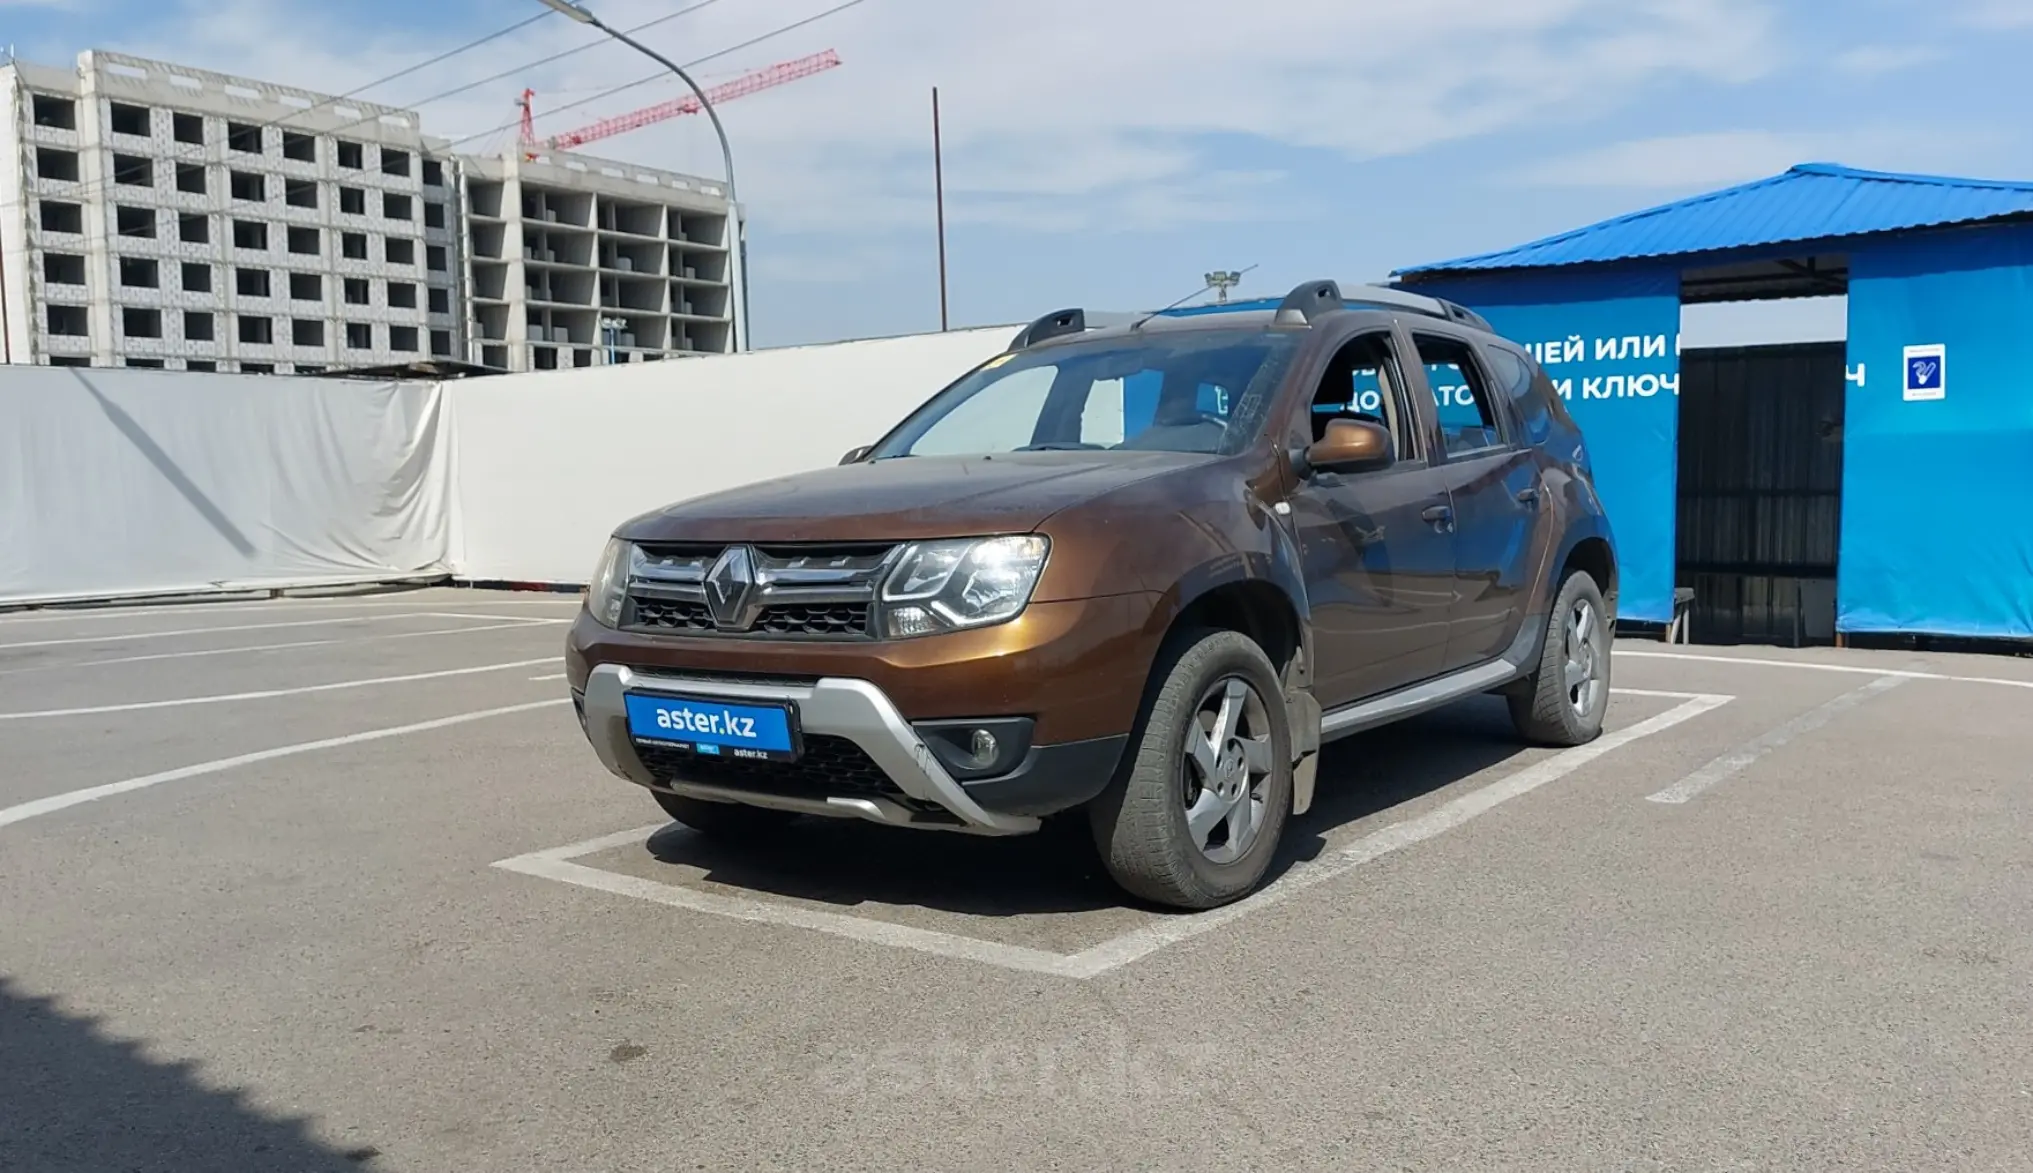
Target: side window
x=1364 y=382
x=1468 y=415
x=1515 y=382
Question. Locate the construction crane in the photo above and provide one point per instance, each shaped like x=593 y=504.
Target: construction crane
x=761 y=79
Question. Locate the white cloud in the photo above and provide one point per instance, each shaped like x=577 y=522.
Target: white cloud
x=1717 y=158
x=1879 y=60
x=1999 y=14
x=1056 y=112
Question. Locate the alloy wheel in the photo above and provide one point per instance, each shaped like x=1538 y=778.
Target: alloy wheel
x=1587 y=658
x=1227 y=769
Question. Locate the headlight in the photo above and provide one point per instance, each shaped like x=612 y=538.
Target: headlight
x=945 y=586
x=609 y=585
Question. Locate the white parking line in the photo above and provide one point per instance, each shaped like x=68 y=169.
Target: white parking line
x=557 y=864
x=56 y=802
x=134 y=610
x=523 y=619
x=265 y=694
x=1750 y=751
x=107 y=639
x=306 y=643
x=551 y=676
x=1853 y=669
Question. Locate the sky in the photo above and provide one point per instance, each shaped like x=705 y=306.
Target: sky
x=1109 y=153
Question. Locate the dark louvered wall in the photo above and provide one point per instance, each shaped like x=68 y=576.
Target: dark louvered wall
x=1760 y=491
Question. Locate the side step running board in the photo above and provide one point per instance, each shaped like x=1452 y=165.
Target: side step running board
x=1516 y=662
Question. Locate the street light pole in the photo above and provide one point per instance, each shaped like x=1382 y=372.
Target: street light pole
x=585 y=16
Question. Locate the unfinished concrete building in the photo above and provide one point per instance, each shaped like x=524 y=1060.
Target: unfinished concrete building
x=153 y=215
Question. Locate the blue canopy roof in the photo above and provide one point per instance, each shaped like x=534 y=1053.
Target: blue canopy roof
x=1812 y=201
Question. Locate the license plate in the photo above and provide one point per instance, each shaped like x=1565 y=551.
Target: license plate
x=714 y=728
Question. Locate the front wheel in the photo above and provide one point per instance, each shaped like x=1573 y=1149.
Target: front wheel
x=1563 y=701
x=1198 y=812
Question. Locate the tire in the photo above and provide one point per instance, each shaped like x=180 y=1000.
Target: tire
x=723 y=820
x=1140 y=823
x=1549 y=706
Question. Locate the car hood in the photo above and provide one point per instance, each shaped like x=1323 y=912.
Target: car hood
x=906 y=498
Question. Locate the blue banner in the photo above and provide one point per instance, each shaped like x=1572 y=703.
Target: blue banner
x=1611 y=344
x=1937 y=535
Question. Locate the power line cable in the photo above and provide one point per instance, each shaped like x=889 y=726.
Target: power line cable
x=664 y=74
x=558 y=56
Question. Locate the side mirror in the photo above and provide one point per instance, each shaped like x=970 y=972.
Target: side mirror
x=855 y=455
x=1352 y=446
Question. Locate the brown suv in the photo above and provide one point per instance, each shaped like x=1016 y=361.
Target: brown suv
x=1142 y=566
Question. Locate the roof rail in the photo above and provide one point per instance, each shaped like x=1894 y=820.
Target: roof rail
x=1068 y=321
x=1305 y=304
x=1314 y=298
x=1404 y=299
x=1052 y=325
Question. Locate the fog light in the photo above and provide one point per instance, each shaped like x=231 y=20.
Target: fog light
x=983 y=747
x=977 y=747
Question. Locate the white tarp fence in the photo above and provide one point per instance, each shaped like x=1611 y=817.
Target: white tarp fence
x=132 y=482
x=120 y=483
x=548 y=464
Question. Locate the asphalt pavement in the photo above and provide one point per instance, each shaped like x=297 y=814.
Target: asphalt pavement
x=336 y=884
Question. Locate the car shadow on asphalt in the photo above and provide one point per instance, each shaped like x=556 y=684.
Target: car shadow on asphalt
x=1058 y=870
x=74 y=1099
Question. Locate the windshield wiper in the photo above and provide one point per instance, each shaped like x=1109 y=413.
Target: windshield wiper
x=1062 y=446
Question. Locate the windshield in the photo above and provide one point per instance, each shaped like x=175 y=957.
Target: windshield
x=1204 y=391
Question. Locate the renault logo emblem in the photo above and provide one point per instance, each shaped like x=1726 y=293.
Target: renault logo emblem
x=730 y=584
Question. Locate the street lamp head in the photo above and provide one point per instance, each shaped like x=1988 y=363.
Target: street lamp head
x=576 y=11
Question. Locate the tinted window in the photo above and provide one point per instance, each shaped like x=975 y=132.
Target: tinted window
x=1468 y=417
x=1199 y=392
x=1514 y=381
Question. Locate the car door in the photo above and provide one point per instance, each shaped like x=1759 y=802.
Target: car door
x=1492 y=481
x=1378 y=558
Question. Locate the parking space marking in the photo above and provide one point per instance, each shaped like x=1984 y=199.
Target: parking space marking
x=1853 y=669
x=1750 y=751
x=268 y=693
x=107 y=639
x=550 y=676
x=558 y=864
x=56 y=802
x=308 y=643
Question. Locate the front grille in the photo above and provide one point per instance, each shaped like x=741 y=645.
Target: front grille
x=843 y=620
x=790 y=591
x=838 y=619
x=672 y=615
x=830 y=766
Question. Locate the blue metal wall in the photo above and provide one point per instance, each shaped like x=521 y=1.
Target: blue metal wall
x=1937 y=525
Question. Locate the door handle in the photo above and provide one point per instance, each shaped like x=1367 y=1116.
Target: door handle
x=1529 y=497
x=1439 y=515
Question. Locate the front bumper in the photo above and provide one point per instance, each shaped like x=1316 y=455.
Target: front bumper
x=921 y=793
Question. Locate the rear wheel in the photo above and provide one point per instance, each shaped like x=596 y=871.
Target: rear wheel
x=723 y=820
x=1197 y=814
x=1562 y=703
